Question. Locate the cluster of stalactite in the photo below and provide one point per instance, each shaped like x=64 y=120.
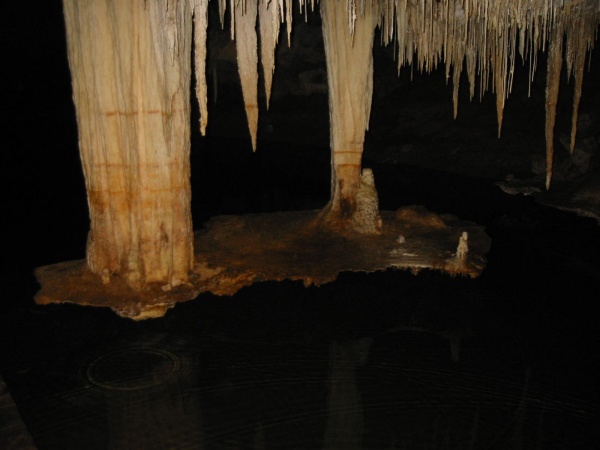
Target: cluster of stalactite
x=484 y=36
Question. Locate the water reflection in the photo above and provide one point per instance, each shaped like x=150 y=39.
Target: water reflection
x=345 y=422
x=399 y=390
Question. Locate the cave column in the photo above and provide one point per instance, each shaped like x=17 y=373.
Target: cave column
x=130 y=68
x=350 y=81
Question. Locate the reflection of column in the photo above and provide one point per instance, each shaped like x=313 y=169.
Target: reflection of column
x=151 y=397
x=157 y=419
x=345 y=418
x=517 y=440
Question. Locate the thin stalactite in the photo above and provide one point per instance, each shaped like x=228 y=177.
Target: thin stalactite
x=247 y=57
x=268 y=17
x=200 y=26
x=555 y=59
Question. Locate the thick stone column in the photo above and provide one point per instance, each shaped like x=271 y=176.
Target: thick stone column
x=350 y=81
x=130 y=65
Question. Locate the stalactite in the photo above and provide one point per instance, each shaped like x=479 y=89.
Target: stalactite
x=131 y=75
x=288 y=19
x=247 y=57
x=232 y=8
x=555 y=59
x=579 y=64
x=200 y=25
x=222 y=8
x=579 y=41
x=484 y=35
x=268 y=17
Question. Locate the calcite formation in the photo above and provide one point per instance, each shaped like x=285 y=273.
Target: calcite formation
x=131 y=70
x=233 y=252
x=483 y=36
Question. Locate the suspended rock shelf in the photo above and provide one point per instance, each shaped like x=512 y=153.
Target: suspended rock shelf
x=236 y=251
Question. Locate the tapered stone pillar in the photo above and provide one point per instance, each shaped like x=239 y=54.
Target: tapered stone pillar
x=130 y=66
x=350 y=81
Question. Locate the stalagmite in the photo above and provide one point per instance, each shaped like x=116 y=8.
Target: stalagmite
x=131 y=74
x=367 y=219
x=463 y=246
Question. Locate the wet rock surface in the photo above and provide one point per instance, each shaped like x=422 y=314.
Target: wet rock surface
x=233 y=252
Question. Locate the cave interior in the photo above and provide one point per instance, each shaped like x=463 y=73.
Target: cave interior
x=371 y=355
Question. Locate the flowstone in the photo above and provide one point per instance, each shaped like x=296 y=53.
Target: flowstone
x=232 y=252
